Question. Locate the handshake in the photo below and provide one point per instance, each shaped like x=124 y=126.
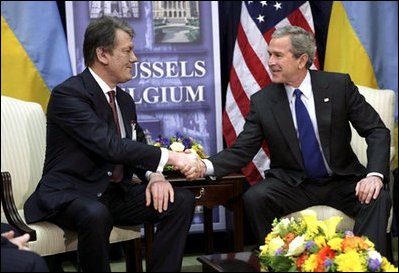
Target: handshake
x=187 y=163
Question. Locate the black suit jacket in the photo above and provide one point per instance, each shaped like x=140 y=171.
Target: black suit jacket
x=83 y=146
x=337 y=102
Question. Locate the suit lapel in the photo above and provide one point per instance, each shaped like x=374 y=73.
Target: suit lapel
x=323 y=100
x=94 y=90
x=100 y=101
x=282 y=114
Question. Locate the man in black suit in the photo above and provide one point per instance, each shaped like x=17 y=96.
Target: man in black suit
x=15 y=255
x=94 y=146
x=304 y=116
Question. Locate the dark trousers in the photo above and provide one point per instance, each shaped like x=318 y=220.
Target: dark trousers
x=124 y=204
x=273 y=198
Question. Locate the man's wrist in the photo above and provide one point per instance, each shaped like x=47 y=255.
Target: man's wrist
x=376 y=174
x=156 y=176
x=209 y=170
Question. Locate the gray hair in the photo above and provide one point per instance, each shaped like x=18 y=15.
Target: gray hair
x=302 y=41
x=101 y=33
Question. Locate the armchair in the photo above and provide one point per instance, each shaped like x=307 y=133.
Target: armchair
x=23 y=136
x=383 y=101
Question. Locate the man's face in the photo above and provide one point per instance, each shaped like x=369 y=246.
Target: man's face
x=121 y=59
x=284 y=67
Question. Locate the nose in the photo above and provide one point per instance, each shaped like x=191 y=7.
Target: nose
x=271 y=60
x=133 y=58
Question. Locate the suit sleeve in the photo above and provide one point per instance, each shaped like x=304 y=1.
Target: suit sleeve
x=248 y=143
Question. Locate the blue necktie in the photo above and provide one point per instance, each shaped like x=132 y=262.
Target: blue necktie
x=312 y=158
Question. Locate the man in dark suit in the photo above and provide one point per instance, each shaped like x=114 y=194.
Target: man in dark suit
x=15 y=255
x=304 y=116
x=94 y=146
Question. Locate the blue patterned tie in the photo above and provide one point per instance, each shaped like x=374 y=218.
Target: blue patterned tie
x=312 y=158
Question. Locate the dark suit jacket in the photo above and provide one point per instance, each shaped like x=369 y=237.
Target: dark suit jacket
x=83 y=146
x=337 y=102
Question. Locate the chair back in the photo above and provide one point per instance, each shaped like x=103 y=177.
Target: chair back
x=383 y=101
x=23 y=141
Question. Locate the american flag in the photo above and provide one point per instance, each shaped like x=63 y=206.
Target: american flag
x=249 y=71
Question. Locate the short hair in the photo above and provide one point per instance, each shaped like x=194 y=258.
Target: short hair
x=302 y=41
x=101 y=33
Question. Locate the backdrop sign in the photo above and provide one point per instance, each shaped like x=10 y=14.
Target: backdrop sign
x=176 y=83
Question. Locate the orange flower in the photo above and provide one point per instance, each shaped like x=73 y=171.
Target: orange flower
x=288 y=238
x=354 y=243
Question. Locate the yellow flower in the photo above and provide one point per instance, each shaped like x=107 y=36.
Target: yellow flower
x=320 y=241
x=330 y=225
x=275 y=244
x=312 y=224
x=387 y=266
x=310 y=264
x=350 y=262
x=335 y=243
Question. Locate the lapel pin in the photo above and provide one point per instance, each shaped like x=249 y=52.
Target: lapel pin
x=326 y=99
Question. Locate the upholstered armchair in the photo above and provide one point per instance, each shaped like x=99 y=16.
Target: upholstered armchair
x=383 y=101
x=23 y=137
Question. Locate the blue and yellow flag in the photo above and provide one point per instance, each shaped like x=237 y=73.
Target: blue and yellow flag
x=34 y=53
x=363 y=41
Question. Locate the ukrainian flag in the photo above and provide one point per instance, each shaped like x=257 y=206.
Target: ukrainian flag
x=363 y=41
x=34 y=53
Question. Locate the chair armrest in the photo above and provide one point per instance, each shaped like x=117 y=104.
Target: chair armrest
x=10 y=209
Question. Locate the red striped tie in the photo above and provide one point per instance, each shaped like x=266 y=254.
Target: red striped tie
x=117 y=173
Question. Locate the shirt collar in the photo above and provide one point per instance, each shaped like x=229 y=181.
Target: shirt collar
x=305 y=87
x=103 y=85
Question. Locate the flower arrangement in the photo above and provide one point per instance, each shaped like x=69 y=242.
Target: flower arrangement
x=180 y=143
x=312 y=245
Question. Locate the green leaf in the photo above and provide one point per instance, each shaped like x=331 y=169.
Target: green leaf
x=280 y=263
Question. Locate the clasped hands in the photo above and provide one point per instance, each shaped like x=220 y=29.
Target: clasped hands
x=187 y=163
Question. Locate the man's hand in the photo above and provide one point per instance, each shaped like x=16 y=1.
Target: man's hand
x=195 y=173
x=183 y=161
x=367 y=188
x=21 y=241
x=160 y=192
x=188 y=163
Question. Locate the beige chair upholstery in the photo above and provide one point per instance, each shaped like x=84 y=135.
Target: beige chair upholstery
x=23 y=140
x=383 y=101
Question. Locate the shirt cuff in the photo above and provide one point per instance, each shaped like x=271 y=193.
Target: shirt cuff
x=376 y=174
x=209 y=167
x=147 y=175
x=163 y=160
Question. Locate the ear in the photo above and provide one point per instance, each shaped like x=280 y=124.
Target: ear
x=102 y=55
x=303 y=60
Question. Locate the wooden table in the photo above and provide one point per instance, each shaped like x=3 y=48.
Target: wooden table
x=230 y=262
x=226 y=191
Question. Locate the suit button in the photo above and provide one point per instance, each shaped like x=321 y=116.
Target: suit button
x=109 y=173
x=99 y=194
